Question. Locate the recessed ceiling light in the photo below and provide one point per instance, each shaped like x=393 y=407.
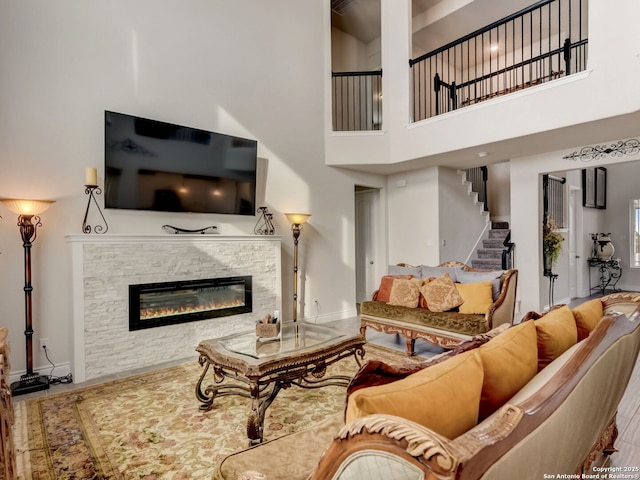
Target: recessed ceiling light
x=483 y=154
x=494 y=48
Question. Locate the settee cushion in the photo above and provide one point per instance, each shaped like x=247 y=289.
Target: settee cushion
x=441 y=294
x=405 y=270
x=587 y=315
x=386 y=284
x=444 y=397
x=463 y=323
x=509 y=361
x=477 y=297
x=405 y=293
x=428 y=272
x=556 y=332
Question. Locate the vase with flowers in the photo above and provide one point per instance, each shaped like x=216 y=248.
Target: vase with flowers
x=551 y=245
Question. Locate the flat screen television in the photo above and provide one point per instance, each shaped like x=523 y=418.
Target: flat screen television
x=153 y=165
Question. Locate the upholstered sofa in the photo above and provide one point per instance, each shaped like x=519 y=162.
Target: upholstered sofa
x=442 y=305
x=520 y=402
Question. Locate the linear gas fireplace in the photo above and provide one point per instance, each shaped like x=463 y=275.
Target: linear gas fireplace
x=167 y=303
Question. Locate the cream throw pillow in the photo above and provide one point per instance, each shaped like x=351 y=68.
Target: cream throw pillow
x=405 y=293
x=441 y=294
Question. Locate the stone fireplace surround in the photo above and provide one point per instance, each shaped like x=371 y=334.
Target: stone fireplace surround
x=104 y=266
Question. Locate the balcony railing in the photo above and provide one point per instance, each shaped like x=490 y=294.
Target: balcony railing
x=357 y=101
x=540 y=43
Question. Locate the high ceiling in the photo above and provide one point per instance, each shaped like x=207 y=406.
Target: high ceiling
x=435 y=22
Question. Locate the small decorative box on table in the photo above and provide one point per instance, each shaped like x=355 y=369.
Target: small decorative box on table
x=268 y=327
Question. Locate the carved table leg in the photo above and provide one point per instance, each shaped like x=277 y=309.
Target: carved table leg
x=260 y=403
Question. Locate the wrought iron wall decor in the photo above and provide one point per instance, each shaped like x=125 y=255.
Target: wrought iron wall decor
x=618 y=149
x=93 y=190
x=264 y=226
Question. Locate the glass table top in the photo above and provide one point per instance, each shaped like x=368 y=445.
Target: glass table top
x=309 y=335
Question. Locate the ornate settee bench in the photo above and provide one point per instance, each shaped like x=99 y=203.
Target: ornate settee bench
x=444 y=328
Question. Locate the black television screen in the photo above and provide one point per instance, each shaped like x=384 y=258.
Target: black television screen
x=153 y=165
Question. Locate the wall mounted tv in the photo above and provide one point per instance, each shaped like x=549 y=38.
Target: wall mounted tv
x=153 y=165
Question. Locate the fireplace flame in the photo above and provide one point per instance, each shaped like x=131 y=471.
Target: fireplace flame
x=148 y=313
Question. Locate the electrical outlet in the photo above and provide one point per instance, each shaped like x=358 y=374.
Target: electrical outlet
x=44 y=343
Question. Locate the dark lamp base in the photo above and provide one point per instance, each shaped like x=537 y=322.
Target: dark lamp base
x=29 y=383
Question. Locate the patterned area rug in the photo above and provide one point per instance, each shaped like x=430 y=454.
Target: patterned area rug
x=149 y=426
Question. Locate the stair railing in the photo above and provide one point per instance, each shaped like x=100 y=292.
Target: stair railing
x=508 y=252
x=534 y=45
x=356 y=101
x=478 y=177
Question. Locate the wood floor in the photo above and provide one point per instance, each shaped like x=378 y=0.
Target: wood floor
x=628 y=442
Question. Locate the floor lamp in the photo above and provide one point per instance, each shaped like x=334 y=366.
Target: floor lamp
x=296 y=219
x=28 y=221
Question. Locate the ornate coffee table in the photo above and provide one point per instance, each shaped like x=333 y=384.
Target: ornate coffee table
x=261 y=367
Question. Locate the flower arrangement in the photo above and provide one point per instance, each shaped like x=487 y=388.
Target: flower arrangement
x=551 y=243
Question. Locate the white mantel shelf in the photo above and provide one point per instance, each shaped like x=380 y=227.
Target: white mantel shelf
x=167 y=238
x=105 y=265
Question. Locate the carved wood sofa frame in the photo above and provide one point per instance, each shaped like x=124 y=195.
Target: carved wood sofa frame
x=501 y=311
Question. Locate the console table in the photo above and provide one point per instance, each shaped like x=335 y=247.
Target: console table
x=609 y=272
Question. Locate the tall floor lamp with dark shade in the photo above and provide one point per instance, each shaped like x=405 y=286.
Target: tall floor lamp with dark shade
x=296 y=219
x=28 y=222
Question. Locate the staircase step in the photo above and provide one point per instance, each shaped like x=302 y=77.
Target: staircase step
x=493 y=243
x=489 y=253
x=486 y=264
x=498 y=233
x=500 y=225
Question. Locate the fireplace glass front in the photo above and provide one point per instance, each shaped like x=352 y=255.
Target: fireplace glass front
x=167 y=303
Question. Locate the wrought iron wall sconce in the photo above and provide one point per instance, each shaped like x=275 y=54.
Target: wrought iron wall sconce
x=28 y=222
x=92 y=189
x=264 y=225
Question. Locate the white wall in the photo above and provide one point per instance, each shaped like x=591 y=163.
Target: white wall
x=240 y=68
x=499 y=191
x=622 y=181
x=413 y=211
x=526 y=221
x=348 y=54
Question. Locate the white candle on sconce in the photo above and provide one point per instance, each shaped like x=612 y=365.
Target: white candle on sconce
x=91 y=177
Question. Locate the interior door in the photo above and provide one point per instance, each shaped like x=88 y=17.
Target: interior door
x=366 y=204
x=574 y=199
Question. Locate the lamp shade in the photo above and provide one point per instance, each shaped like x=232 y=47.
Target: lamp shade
x=298 y=218
x=26 y=207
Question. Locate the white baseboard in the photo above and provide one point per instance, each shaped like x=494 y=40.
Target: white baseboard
x=331 y=317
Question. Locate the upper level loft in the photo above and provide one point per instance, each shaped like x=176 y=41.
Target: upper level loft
x=537 y=44
x=443 y=82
